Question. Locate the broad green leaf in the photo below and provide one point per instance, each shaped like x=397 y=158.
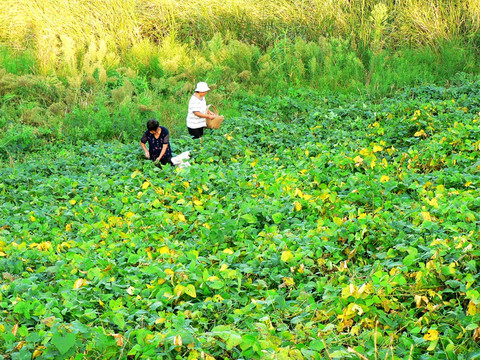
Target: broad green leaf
x=317 y=345
x=233 y=340
x=277 y=218
x=63 y=343
x=409 y=259
x=119 y=320
x=249 y=218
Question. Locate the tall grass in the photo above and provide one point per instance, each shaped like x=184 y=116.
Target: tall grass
x=63 y=30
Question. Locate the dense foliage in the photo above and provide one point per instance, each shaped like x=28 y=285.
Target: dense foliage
x=308 y=227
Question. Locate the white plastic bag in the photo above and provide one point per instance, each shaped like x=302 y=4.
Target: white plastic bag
x=181 y=160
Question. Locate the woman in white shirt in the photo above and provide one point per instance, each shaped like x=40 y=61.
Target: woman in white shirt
x=198 y=112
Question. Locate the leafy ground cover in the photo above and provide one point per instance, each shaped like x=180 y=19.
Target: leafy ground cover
x=309 y=227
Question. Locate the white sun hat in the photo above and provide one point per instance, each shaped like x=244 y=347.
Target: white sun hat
x=202 y=87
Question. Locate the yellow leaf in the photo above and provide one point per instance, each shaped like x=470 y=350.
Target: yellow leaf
x=179 y=290
x=177 y=341
x=420 y=133
x=431 y=335
x=426 y=216
x=2 y=254
x=101 y=302
x=377 y=148
x=298 y=193
x=254 y=162
x=228 y=251
x=433 y=202
x=288 y=281
x=32 y=218
x=338 y=221
x=468 y=183
x=164 y=250
x=297 y=206
x=307 y=152
x=79 y=283
x=286 y=255
x=212 y=278
x=38 y=351
x=134 y=174
x=358 y=159
x=365 y=152
x=156 y=203
x=217 y=298
x=472 y=309
x=223 y=267
x=145 y=185
x=160 y=321
x=15 y=329
x=73 y=201
x=384 y=178
x=198 y=202
x=169 y=272
x=49 y=321
x=181 y=217
x=186 y=184
x=190 y=291
x=119 y=339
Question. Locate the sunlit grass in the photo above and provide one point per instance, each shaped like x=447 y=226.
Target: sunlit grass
x=62 y=31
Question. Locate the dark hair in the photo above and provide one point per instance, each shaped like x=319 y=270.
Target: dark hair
x=152 y=125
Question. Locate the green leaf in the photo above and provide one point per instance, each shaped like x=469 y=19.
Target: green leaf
x=471 y=326
x=234 y=339
x=118 y=320
x=317 y=345
x=339 y=354
x=277 y=218
x=409 y=259
x=249 y=218
x=474 y=355
x=433 y=345
x=63 y=343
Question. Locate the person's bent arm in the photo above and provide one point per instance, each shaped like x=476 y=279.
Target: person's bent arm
x=205 y=116
x=147 y=153
x=164 y=149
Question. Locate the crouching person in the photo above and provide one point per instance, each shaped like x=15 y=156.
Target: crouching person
x=158 y=139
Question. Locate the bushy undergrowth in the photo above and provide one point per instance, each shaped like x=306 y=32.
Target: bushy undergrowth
x=92 y=103
x=308 y=227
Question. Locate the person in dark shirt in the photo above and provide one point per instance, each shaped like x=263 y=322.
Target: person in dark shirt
x=158 y=139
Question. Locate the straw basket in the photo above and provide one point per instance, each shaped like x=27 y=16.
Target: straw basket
x=216 y=121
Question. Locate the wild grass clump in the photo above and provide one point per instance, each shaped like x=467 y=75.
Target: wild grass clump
x=70 y=38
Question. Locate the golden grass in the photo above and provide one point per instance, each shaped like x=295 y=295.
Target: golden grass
x=101 y=32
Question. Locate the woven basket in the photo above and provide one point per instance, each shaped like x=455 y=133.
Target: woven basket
x=216 y=121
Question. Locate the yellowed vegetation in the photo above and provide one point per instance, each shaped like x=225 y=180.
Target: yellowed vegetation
x=75 y=38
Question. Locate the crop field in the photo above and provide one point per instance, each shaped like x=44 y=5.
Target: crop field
x=307 y=227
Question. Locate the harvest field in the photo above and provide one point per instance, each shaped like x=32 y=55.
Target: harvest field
x=309 y=227
x=335 y=214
